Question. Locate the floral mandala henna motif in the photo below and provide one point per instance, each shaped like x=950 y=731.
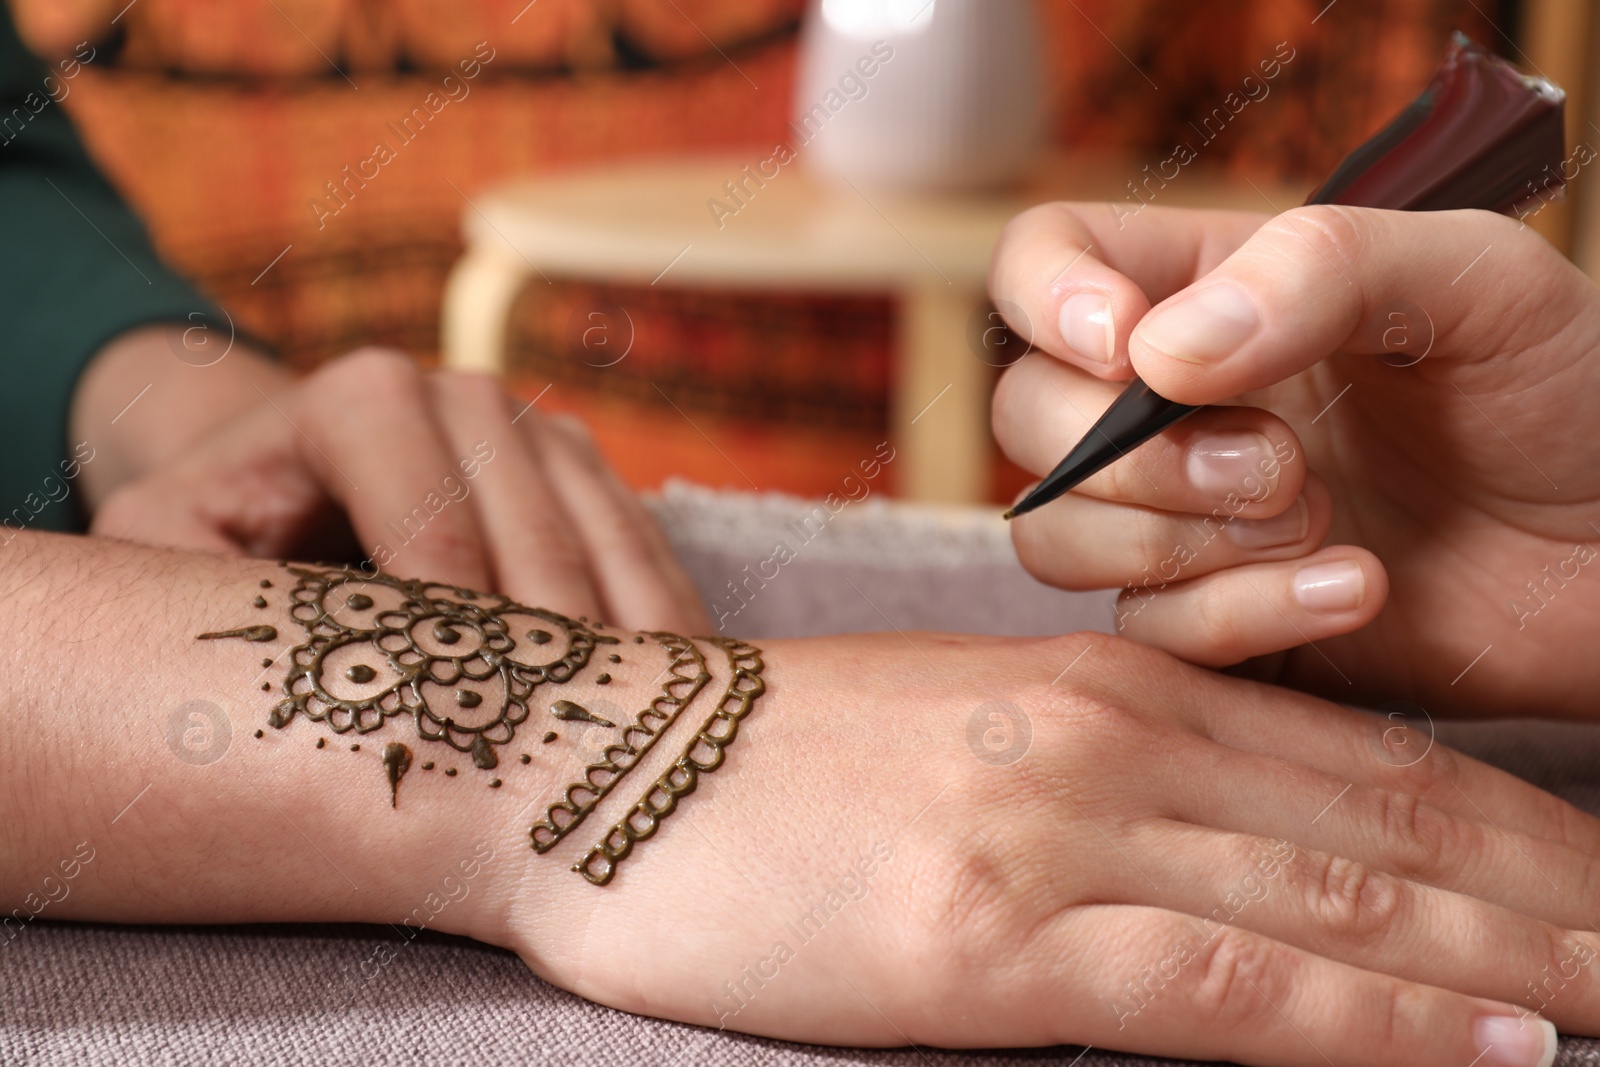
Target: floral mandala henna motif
x=461 y=665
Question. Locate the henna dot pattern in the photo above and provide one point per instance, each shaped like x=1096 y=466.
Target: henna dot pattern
x=458 y=665
x=260 y=601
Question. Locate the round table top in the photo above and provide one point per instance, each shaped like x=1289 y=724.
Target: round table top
x=661 y=220
x=658 y=220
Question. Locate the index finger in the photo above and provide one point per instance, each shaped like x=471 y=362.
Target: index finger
x=1308 y=284
x=1074 y=278
x=371 y=438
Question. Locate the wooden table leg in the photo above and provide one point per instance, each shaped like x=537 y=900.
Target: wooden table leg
x=939 y=402
x=477 y=308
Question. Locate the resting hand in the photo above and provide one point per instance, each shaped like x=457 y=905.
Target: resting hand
x=1413 y=391
x=436 y=474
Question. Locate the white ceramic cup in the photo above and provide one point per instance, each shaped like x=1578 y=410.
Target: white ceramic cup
x=919 y=94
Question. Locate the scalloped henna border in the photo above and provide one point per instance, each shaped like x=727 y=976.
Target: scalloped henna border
x=683 y=776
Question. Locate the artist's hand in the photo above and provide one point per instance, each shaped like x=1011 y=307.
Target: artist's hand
x=435 y=473
x=1418 y=393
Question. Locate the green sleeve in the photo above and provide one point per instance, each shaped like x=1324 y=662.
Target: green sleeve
x=76 y=270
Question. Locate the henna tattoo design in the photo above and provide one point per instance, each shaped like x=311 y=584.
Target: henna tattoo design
x=704 y=754
x=601 y=776
x=461 y=665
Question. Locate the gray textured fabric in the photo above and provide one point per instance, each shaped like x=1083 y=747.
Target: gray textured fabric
x=86 y=994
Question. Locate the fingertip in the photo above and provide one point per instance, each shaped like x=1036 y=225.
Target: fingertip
x=1087 y=328
x=1339 y=589
x=1260 y=608
x=1175 y=379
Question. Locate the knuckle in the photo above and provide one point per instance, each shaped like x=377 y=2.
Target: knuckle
x=1350 y=900
x=1435 y=774
x=1101 y=662
x=1040 y=555
x=1424 y=841
x=558 y=552
x=960 y=893
x=380 y=373
x=374 y=360
x=1154 y=548
x=1133 y=481
x=1240 y=977
x=1572 y=826
x=973 y=901
x=1336 y=233
x=622 y=543
x=452 y=541
x=1217 y=615
x=1566 y=961
x=1024 y=228
x=1400 y=1008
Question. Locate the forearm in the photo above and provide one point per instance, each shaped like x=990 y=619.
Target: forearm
x=155 y=390
x=206 y=781
x=128 y=737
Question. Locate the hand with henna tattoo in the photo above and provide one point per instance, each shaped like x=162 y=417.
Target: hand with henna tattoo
x=883 y=839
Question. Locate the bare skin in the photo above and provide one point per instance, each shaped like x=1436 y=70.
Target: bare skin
x=870 y=818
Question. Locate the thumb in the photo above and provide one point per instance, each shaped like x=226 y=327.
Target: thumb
x=1323 y=280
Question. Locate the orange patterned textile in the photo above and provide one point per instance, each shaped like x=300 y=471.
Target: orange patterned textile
x=243 y=129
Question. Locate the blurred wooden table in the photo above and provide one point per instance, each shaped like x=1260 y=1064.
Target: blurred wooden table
x=651 y=223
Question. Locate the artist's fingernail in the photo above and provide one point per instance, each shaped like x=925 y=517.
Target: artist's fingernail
x=1331 y=587
x=1231 y=463
x=1507 y=1041
x=1279 y=530
x=1202 y=327
x=1087 y=328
